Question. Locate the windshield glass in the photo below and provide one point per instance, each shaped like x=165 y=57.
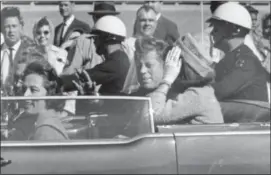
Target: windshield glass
x=53 y=118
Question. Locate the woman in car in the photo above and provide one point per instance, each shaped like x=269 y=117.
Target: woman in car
x=40 y=118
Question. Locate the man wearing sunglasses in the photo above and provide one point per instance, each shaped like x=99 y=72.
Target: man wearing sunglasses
x=12 y=28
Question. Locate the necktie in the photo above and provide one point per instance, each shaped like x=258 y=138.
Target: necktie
x=61 y=37
x=7 y=64
x=11 y=57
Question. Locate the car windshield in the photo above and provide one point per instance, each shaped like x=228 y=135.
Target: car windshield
x=95 y=118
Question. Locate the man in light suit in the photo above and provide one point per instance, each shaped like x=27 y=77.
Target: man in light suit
x=12 y=27
x=166 y=29
x=69 y=25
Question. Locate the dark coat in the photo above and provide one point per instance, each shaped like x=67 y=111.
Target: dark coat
x=76 y=25
x=239 y=75
x=110 y=74
x=166 y=30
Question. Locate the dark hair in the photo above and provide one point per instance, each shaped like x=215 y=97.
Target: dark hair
x=145 y=44
x=51 y=81
x=11 y=12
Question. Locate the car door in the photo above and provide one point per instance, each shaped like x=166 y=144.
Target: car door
x=153 y=153
x=224 y=150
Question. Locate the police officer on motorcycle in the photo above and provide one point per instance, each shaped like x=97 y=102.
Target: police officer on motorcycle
x=239 y=75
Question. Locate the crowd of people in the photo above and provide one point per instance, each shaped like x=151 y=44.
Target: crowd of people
x=185 y=79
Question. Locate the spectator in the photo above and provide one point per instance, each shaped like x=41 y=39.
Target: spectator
x=158 y=68
x=40 y=118
x=43 y=35
x=145 y=21
x=266 y=50
x=254 y=39
x=166 y=29
x=240 y=74
x=11 y=25
x=69 y=25
x=266 y=32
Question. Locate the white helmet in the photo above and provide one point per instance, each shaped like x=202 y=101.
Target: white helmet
x=112 y=25
x=234 y=13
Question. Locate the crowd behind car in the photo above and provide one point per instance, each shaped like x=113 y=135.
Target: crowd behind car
x=188 y=82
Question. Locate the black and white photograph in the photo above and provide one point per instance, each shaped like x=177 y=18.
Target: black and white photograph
x=135 y=87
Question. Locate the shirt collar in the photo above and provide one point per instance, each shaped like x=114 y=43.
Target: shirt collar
x=15 y=46
x=69 y=20
x=158 y=16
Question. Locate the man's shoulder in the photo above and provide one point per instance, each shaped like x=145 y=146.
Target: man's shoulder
x=80 y=23
x=167 y=21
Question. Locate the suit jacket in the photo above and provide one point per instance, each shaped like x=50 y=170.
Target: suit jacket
x=76 y=25
x=166 y=30
x=23 y=46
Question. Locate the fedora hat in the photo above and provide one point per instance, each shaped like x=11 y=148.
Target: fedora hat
x=104 y=8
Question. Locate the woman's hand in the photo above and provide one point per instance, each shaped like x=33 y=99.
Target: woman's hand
x=173 y=65
x=85 y=86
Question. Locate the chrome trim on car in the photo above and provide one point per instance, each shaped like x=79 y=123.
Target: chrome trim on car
x=83 y=142
x=16 y=98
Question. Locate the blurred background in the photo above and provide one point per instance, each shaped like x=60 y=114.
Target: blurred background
x=188 y=15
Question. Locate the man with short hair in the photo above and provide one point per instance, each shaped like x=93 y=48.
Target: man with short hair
x=69 y=25
x=166 y=29
x=12 y=28
x=146 y=21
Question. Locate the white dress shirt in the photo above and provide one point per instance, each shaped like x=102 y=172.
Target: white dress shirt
x=5 y=62
x=67 y=24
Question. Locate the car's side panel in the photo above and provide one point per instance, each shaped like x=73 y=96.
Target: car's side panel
x=230 y=153
x=150 y=154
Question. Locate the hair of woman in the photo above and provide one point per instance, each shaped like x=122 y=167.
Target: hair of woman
x=44 y=21
x=51 y=81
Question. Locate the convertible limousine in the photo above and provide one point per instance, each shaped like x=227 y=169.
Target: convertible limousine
x=118 y=136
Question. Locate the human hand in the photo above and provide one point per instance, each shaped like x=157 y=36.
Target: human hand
x=85 y=86
x=173 y=65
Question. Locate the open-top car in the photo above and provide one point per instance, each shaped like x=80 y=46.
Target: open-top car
x=118 y=134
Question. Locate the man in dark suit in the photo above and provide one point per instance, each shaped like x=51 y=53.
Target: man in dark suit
x=14 y=45
x=69 y=25
x=166 y=29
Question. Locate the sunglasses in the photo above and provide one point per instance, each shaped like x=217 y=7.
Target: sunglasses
x=44 y=32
